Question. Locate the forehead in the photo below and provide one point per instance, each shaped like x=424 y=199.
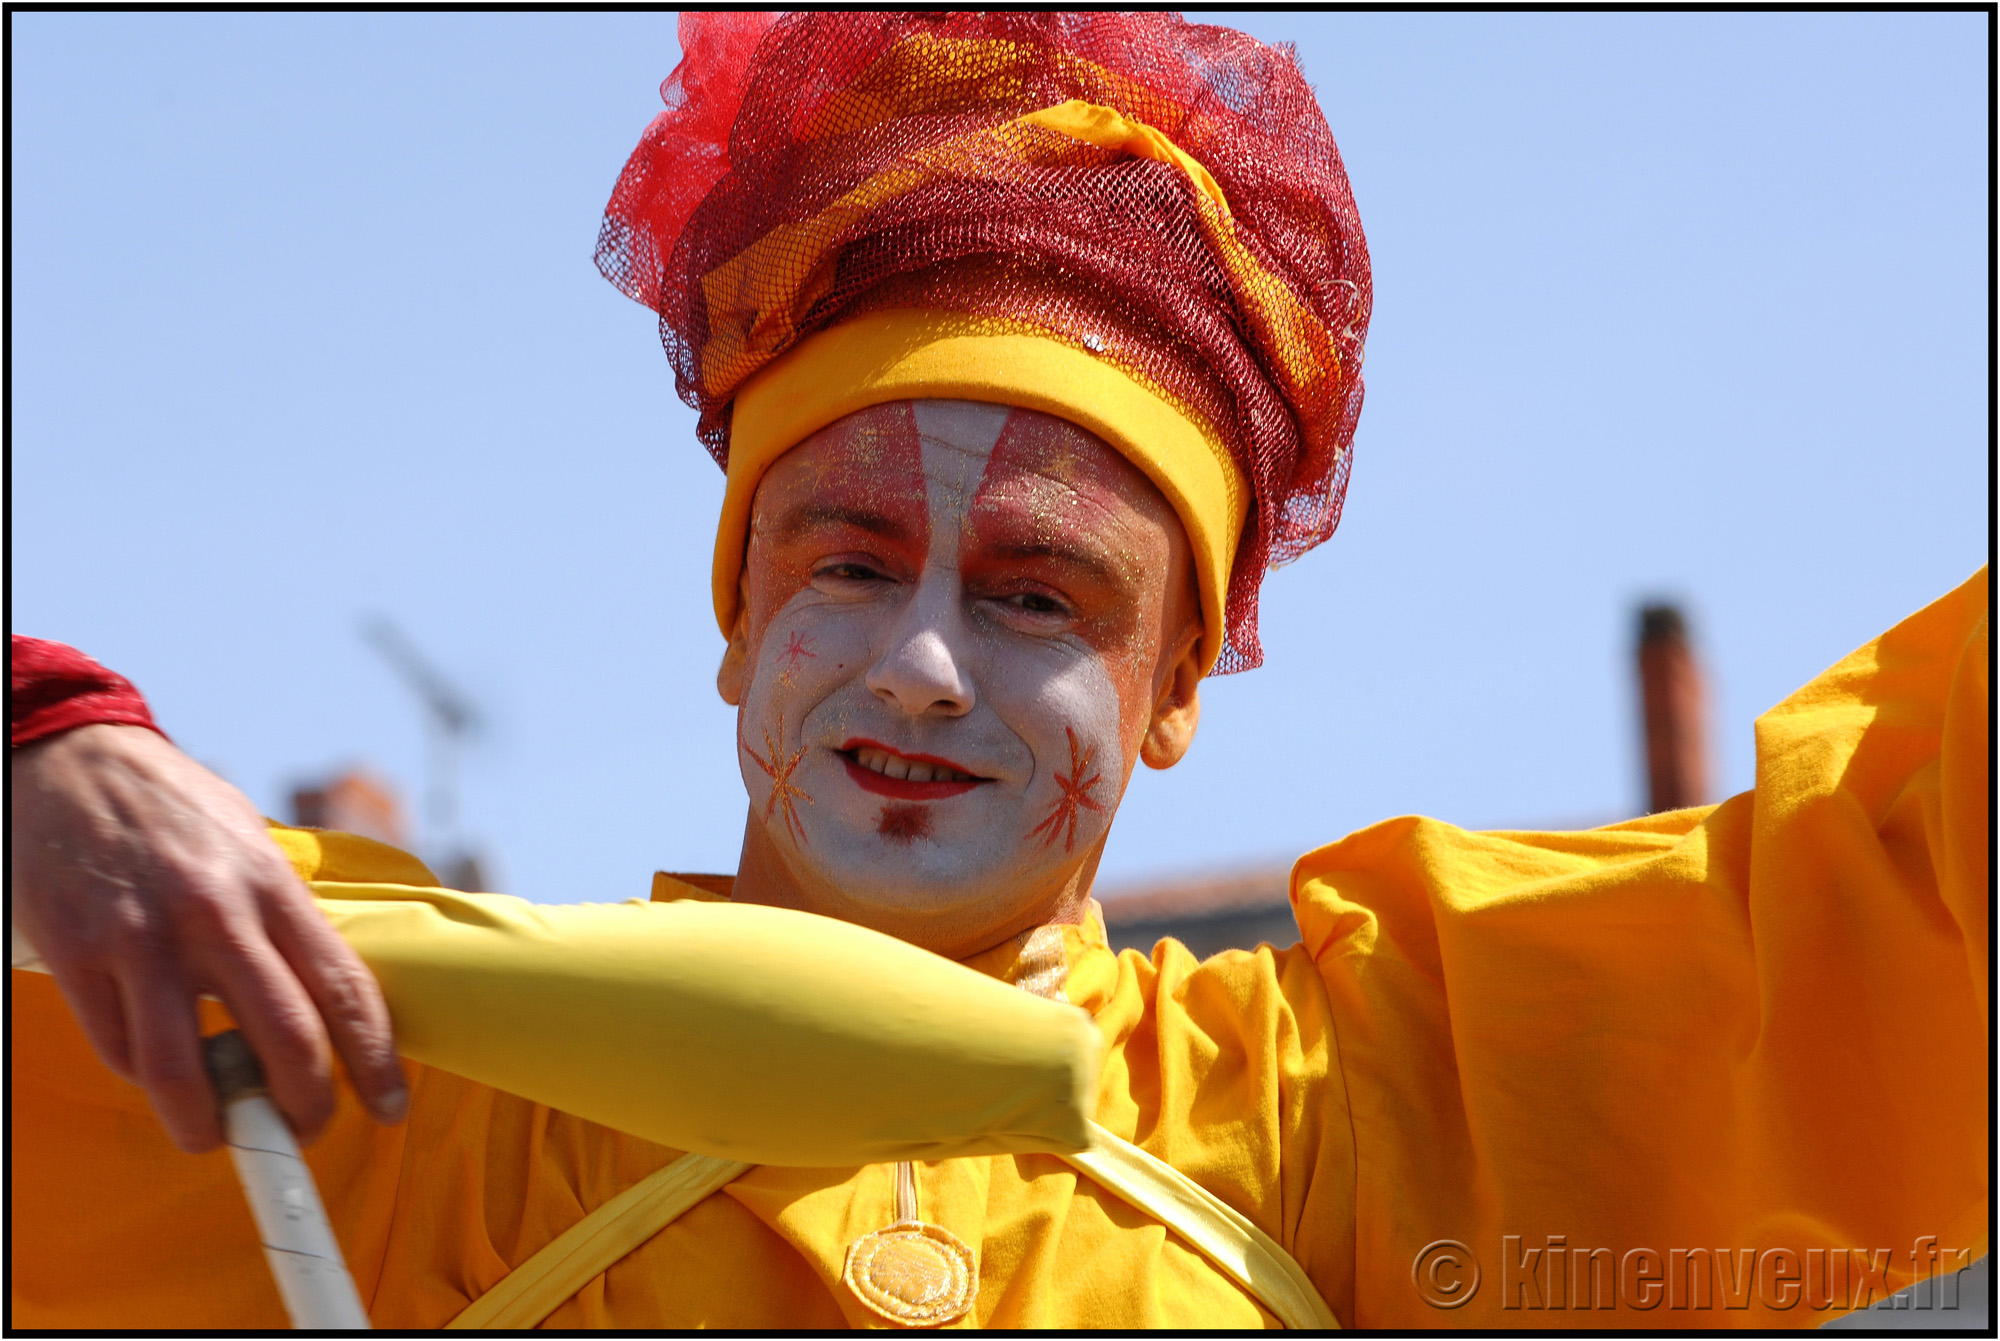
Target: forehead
x=913 y=456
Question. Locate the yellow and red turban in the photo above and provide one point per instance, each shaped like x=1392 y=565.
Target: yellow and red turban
x=1135 y=223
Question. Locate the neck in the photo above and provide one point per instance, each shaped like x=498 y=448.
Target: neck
x=953 y=929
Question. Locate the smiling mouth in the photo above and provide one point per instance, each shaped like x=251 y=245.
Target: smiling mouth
x=879 y=769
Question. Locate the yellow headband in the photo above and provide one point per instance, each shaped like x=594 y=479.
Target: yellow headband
x=902 y=354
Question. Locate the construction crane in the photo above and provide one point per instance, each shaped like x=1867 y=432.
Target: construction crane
x=450 y=721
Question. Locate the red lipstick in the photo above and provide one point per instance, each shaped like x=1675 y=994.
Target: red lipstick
x=903 y=789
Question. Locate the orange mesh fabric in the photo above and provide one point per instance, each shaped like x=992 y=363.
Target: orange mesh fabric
x=822 y=166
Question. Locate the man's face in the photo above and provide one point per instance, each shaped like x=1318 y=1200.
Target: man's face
x=960 y=624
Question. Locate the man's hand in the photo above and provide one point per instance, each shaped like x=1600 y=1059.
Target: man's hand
x=144 y=880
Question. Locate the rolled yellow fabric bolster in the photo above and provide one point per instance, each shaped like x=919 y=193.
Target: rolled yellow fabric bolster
x=752 y=1033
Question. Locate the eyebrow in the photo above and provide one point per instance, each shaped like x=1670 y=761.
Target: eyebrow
x=812 y=515
x=1098 y=568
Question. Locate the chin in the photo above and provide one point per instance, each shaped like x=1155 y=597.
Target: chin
x=916 y=887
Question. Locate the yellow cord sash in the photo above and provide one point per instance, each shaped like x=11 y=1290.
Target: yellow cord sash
x=1235 y=1246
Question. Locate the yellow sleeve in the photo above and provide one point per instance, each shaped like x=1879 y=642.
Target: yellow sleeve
x=1758 y=1027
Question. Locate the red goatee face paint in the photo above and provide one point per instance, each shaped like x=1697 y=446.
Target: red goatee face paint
x=904 y=823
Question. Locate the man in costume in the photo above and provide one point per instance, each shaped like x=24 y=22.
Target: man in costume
x=1027 y=342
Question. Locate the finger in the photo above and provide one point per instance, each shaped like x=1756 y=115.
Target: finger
x=349 y=1001
x=99 y=1009
x=165 y=1035
x=278 y=1019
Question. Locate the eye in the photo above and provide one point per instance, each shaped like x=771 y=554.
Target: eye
x=1035 y=609
x=1035 y=603
x=849 y=570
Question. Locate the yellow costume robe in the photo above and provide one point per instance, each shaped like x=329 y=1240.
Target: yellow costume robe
x=1755 y=1026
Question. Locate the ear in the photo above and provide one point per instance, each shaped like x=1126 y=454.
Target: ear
x=1178 y=708
x=735 y=657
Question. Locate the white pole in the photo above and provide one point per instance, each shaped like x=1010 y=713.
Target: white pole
x=298 y=1243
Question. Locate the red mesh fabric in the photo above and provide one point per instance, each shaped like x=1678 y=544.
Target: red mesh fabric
x=779 y=138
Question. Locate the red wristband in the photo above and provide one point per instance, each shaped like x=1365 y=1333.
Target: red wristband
x=55 y=688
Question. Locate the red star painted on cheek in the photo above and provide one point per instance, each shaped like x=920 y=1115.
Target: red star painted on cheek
x=784 y=792
x=797 y=650
x=1075 y=796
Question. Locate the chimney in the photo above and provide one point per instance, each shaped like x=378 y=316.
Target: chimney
x=352 y=802
x=1676 y=711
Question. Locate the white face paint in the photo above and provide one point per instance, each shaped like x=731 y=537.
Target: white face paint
x=955 y=617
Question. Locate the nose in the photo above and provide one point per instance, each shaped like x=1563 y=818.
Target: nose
x=923 y=668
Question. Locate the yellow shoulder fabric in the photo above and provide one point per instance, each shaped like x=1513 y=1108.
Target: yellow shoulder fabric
x=328 y=854
x=1758 y=1027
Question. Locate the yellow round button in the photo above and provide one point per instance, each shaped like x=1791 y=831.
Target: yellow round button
x=912 y=1273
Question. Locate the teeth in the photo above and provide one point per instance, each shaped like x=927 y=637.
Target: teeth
x=895 y=766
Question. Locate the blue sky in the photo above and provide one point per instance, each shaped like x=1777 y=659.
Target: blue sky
x=305 y=327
